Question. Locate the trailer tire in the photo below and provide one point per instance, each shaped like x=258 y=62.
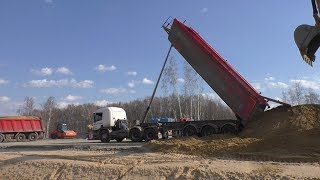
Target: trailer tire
x=33 y=137
x=150 y=134
x=228 y=129
x=2 y=137
x=20 y=137
x=119 y=139
x=190 y=130
x=135 y=135
x=53 y=136
x=104 y=136
x=208 y=130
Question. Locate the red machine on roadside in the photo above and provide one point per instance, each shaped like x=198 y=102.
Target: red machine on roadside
x=62 y=132
x=21 y=128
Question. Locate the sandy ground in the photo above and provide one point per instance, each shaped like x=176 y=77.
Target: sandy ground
x=82 y=159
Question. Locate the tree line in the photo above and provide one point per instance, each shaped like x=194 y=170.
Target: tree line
x=186 y=100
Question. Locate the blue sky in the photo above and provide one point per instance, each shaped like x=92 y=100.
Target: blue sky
x=100 y=51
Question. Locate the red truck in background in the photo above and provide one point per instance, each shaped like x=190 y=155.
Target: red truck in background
x=21 y=128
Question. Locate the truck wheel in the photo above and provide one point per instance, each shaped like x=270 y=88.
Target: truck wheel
x=1 y=138
x=228 y=129
x=190 y=130
x=33 y=137
x=53 y=136
x=104 y=137
x=20 y=137
x=150 y=133
x=119 y=139
x=135 y=135
x=208 y=130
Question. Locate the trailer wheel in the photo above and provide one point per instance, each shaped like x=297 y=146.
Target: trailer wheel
x=20 y=137
x=190 y=130
x=135 y=135
x=119 y=139
x=1 y=138
x=228 y=129
x=33 y=137
x=104 y=136
x=208 y=130
x=150 y=133
x=53 y=136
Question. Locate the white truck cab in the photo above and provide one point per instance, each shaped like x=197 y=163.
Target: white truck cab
x=110 y=123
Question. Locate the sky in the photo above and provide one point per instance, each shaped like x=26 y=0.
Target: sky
x=102 y=51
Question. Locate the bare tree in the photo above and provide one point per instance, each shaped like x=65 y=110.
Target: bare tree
x=312 y=97
x=170 y=78
x=28 y=107
x=48 y=108
x=297 y=95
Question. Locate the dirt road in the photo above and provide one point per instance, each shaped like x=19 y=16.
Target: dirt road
x=82 y=159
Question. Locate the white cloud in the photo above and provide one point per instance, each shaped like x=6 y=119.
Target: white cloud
x=181 y=80
x=43 y=71
x=257 y=86
x=48 y=1
x=269 y=78
x=315 y=85
x=72 y=98
x=211 y=95
x=8 y=107
x=64 y=70
x=117 y=91
x=131 y=84
x=146 y=81
x=132 y=73
x=3 y=81
x=204 y=10
x=279 y=85
x=60 y=83
x=64 y=104
x=102 y=103
x=4 y=99
x=104 y=68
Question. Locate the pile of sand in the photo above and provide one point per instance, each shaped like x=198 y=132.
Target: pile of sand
x=281 y=133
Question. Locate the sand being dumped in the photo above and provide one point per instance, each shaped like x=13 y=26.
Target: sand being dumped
x=280 y=133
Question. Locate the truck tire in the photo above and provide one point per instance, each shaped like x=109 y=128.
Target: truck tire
x=150 y=134
x=119 y=139
x=2 y=137
x=104 y=136
x=20 y=137
x=53 y=136
x=190 y=130
x=135 y=135
x=33 y=137
x=208 y=130
x=228 y=129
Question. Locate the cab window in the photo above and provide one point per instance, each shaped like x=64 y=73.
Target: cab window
x=97 y=117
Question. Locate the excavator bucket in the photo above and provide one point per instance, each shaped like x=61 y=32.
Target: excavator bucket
x=307 y=39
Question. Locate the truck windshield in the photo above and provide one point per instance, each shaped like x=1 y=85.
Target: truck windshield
x=97 y=117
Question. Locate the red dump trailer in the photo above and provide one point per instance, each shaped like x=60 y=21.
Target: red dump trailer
x=21 y=128
x=233 y=89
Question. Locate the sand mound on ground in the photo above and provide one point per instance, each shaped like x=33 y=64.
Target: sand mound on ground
x=279 y=133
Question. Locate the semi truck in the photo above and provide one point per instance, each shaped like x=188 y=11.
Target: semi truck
x=21 y=128
x=234 y=90
x=110 y=123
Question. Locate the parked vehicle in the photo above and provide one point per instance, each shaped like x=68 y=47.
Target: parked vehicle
x=233 y=89
x=110 y=123
x=62 y=132
x=21 y=128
